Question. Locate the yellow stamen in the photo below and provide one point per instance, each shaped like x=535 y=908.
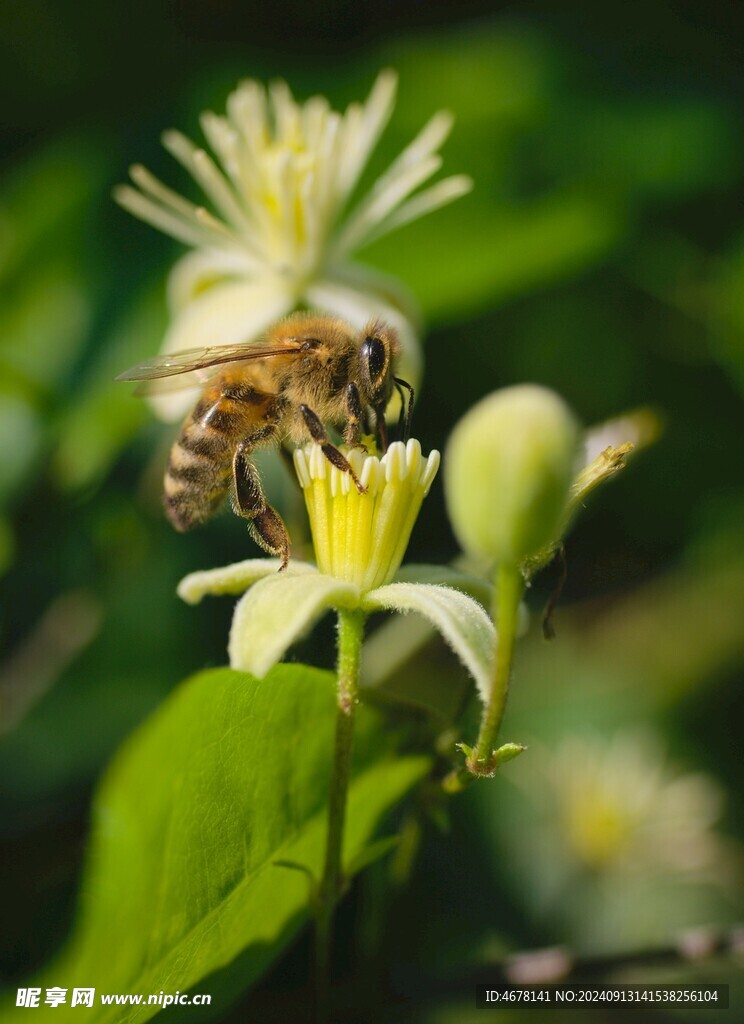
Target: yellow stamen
x=362 y=538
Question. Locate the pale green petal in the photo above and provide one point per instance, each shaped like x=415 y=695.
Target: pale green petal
x=277 y=611
x=235 y=578
x=469 y=583
x=397 y=641
x=462 y=622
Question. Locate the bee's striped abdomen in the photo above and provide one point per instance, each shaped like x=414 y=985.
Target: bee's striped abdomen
x=200 y=464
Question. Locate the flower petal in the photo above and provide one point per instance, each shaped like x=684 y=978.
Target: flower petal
x=198 y=271
x=381 y=202
x=469 y=583
x=429 y=140
x=204 y=170
x=277 y=611
x=235 y=578
x=361 y=128
x=226 y=314
x=441 y=194
x=445 y=575
x=185 y=229
x=380 y=210
x=396 y=642
x=462 y=622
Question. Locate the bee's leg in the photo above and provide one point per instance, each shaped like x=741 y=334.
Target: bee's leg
x=264 y=523
x=354 y=413
x=318 y=433
x=381 y=427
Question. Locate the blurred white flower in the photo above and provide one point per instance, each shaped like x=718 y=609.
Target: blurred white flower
x=279 y=236
x=620 y=807
x=611 y=844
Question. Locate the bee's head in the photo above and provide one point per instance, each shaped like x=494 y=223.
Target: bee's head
x=377 y=355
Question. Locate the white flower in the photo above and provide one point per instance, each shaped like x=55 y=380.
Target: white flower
x=612 y=844
x=360 y=540
x=278 y=235
x=620 y=806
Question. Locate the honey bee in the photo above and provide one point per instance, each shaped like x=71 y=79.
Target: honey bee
x=309 y=370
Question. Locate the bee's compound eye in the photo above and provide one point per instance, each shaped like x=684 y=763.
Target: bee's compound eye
x=375 y=354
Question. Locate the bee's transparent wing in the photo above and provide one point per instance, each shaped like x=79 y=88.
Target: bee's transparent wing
x=188 y=379
x=198 y=365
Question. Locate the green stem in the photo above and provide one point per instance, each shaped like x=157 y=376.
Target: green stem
x=507 y=595
x=350 y=632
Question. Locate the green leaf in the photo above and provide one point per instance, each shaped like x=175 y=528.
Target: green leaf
x=229 y=776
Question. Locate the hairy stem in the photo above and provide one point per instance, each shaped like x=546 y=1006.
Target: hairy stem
x=350 y=632
x=507 y=595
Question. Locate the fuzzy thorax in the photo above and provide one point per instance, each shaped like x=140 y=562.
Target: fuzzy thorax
x=362 y=537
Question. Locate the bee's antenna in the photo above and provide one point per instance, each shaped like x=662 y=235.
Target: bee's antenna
x=402 y=416
x=405 y=428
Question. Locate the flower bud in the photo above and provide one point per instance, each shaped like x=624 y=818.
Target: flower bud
x=508 y=468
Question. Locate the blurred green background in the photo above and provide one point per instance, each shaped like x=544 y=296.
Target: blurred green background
x=601 y=253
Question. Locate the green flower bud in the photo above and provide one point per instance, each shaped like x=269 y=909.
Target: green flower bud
x=507 y=472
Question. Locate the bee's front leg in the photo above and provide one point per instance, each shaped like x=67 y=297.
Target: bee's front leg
x=336 y=458
x=264 y=523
